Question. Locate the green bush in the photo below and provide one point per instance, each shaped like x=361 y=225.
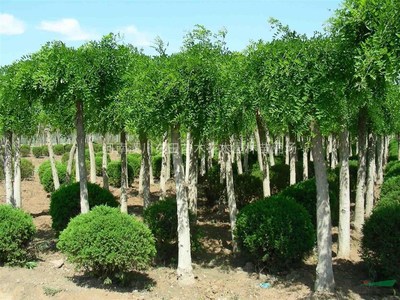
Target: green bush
x=65 y=202
x=393 y=150
x=389 y=185
x=390 y=198
x=25 y=150
x=392 y=169
x=156 y=163
x=16 y=232
x=27 y=169
x=247 y=188
x=99 y=163
x=37 y=151
x=114 y=173
x=107 y=242
x=65 y=158
x=59 y=149
x=381 y=242
x=135 y=160
x=161 y=217
x=45 y=151
x=67 y=147
x=275 y=231
x=46 y=176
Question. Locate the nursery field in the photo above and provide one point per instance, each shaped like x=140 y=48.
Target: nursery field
x=219 y=274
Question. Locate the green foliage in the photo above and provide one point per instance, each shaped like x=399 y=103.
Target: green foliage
x=46 y=176
x=37 y=151
x=392 y=169
x=393 y=150
x=25 y=150
x=213 y=189
x=134 y=160
x=65 y=202
x=45 y=151
x=156 y=164
x=275 y=231
x=390 y=185
x=114 y=173
x=107 y=242
x=65 y=158
x=248 y=188
x=16 y=232
x=381 y=242
x=27 y=169
x=59 y=149
x=67 y=147
x=99 y=165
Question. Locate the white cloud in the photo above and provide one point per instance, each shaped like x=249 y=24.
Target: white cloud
x=70 y=28
x=10 y=25
x=136 y=37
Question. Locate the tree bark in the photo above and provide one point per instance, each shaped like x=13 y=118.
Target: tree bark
x=287 y=149
x=246 y=156
x=371 y=175
x=305 y=161
x=292 y=157
x=361 y=172
x=259 y=150
x=77 y=178
x=92 y=160
x=104 y=164
x=192 y=179
x=17 y=171
x=379 y=159
x=150 y=162
x=70 y=162
x=185 y=271
x=54 y=172
x=80 y=131
x=189 y=146
x=222 y=169
x=324 y=273
x=8 y=175
x=210 y=155
x=270 y=149
x=344 y=197
x=164 y=165
x=238 y=151
x=203 y=163
x=124 y=174
x=262 y=133
x=334 y=158
x=146 y=170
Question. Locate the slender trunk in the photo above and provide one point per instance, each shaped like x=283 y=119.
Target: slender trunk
x=230 y=191
x=328 y=149
x=210 y=155
x=92 y=160
x=371 y=175
x=361 y=172
x=252 y=143
x=192 y=178
x=233 y=148
x=80 y=131
x=324 y=273
x=104 y=164
x=184 y=252
x=168 y=173
x=259 y=150
x=8 y=168
x=270 y=149
x=238 y=156
x=146 y=170
x=189 y=146
x=203 y=163
x=386 y=151
x=246 y=155
x=222 y=173
x=141 y=174
x=54 y=172
x=164 y=165
x=124 y=174
x=305 y=161
x=17 y=171
x=334 y=158
x=150 y=162
x=262 y=132
x=292 y=157
x=287 y=146
x=344 y=197
x=69 y=165
x=379 y=159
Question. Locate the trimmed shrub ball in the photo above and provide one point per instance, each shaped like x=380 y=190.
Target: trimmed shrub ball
x=37 y=151
x=107 y=242
x=134 y=160
x=65 y=202
x=59 y=149
x=27 y=169
x=25 y=150
x=46 y=176
x=248 y=188
x=16 y=232
x=276 y=232
x=114 y=173
x=390 y=185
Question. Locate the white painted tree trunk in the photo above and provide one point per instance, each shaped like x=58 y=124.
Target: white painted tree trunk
x=54 y=172
x=92 y=159
x=189 y=146
x=379 y=159
x=168 y=176
x=203 y=163
x=104 y=163
x=146 y=170
x=344 y=198
x=222 y=170
x=210 y=155
x=246 y=155
x=324 y=273
x=252 y=144
x=17 y=171
x=141 y=175
x=80 y=131
x=150 y=162
x=264 y=149
x=287 y=149
x=270 y=149
x=185 y=270
x=164 y=166
x=334 y=157
x=238 y=151
x=371 y=175
x=124 y=174
x=70 y=162
x=259 y=150
x=192 y=178
x=8 y=175
x=305 y=162
x=292 y=158
x=77 y=178
x=328 y=149
x=361 y=173
x=230 y=191
x=386 y=151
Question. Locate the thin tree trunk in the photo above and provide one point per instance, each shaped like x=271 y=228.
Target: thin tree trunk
x=141 y=175
x=344 y=198
x=270 y=149
x=8 y=175
x=124 y=174
x=292 y=157
x=54 y=172
x=324 y=273
x=146 y=170
x=305 y=161
x=80 y=131
x=259 y=150
x=192 y=178
x=379 y=159
x=222 y=173
x=386 y=151
x=334 y=158
x=328 y=149
x=168 y=176
x=210 y=155
x=185 y=271
x=371 y=175
x=164 y=166
x=262 y=132
x=252 y=144
x=77 y=167
x=92 y=159
x=70 y=162
x=246 y=155
x=236 y=143
x=287 y=146
x=17 y=171
x=189 y=146
x=203 y=163
x=150 y=162
x=361 y=172
x=104 y=164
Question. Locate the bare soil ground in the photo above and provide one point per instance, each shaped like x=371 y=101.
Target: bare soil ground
x=219 y=274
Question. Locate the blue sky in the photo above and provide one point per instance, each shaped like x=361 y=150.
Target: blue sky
x=25 y=25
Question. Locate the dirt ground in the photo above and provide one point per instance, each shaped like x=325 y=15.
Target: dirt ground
x=219 y=274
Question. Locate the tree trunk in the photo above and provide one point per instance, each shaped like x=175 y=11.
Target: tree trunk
x=77 y=179
x=8 y=175
x=168 y=174
x=292 y=157
x=192 y=179
x=184 y=252
x=80 y=131
x=334 y=158
x=230 y=191
x=189 y=146
x=379 y=159
x=150 y=162
x=54 y=172
x=305 y=161
x=324 y=273
x=371 y=175
x=222 y=174
x=259 y=150
x=104 y=164
x=210 y=155
x=146 y=170
x=238 y=156
x=264 y=148
x=17 y=171
x=164 y=165
x=203 y=163
x=92 y=159
x=141 y=174
x=270 y=149
x=386 y=151
x=344 y=198
x=328 y=149
x=361 y=172
x=246 y=156
x=124 y=174
x=70 y=162
x=287 y=149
